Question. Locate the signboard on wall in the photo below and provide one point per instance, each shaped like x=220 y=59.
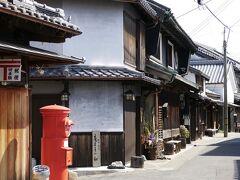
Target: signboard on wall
x=96 y=149
x=10 y=69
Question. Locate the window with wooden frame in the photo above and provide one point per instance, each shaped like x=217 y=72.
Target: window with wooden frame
x=199 y=81
x=176 y=61
x=170 y=55
x=130 y=41
x=158 y=54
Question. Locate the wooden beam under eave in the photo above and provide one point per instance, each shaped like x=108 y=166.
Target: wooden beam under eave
x=36 y=30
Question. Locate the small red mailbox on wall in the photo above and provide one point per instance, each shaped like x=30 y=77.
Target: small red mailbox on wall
x=55 y=152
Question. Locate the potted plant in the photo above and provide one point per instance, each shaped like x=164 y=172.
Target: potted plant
x=184 y=135
x=150 y=144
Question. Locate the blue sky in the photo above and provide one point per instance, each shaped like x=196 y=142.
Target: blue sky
x=201 y=25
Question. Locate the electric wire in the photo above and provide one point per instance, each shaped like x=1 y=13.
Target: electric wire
x=191 y=10
x=207 y=20
x=216 y=17
x=235 y=23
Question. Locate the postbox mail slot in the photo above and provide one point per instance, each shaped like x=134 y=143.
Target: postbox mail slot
x=68 y=155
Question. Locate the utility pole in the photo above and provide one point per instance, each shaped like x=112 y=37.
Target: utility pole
x=225 y=86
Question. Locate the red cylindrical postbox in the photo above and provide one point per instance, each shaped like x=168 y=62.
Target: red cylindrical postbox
x=54 y=143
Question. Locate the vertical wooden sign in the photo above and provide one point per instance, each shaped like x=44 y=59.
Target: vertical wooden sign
x=10 y=69
x=96 y=149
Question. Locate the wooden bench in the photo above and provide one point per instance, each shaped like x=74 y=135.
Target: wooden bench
x=172 y=146
x=210 y=132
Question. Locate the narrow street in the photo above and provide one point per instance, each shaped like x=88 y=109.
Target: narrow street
x=209 y=159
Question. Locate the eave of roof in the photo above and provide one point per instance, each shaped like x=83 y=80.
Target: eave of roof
x=38 y=56
x=91 y=73
x=237 y=96
x=168 y=75
x=217 y=101
x=36 y=17
x=196 y=71
x=160 y=71
x=145 y=6
x=187 y=82
x=210 y=52
x=212 y=94
x=170 y=24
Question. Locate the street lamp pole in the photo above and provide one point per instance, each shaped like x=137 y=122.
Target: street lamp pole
x=225 y=87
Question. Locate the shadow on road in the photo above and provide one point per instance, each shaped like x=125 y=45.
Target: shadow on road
x=227 y=148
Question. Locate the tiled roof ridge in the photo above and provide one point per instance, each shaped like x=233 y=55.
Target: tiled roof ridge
x=213 y=53
x=167 y=18
x=210 y=53
x=96 y=71
x=148 y=8
x=207 y=62
x=103 y=67
x=59 y=21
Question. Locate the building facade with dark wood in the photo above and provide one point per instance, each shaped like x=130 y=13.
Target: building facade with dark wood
x=168 y=60
x=105 y=93
x=137 y=55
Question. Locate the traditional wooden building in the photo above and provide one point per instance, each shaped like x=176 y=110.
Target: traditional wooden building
x=22 y=22
x=168 y=60
x=105 y=93
x=199 y=104
x=135 y=66
x=211 y=62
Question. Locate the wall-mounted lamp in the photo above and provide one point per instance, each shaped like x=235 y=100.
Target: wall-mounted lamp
x=130 y=96
x=65 y=96
x=4 y=83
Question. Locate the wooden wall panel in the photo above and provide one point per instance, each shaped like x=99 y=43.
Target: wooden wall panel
x=82 y=149
x=14 y=133
x=111 y=148
x=3 y=135
x=130 y=129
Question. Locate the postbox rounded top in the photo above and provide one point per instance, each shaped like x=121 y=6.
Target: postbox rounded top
x=54 y=108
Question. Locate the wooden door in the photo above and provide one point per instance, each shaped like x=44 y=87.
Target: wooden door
x=193 y=118
x=39 y=101
x=130 y=129
x=14 y=133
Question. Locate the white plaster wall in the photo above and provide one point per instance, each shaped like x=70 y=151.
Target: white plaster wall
x=101 y=22
x=219 y=88
x=230 y=92
x=232 y=79
x=53 y=47
x=46 y=87
x=102 y=25
x=96 y=106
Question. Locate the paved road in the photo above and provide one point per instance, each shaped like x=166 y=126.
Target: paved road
x=214 y=158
